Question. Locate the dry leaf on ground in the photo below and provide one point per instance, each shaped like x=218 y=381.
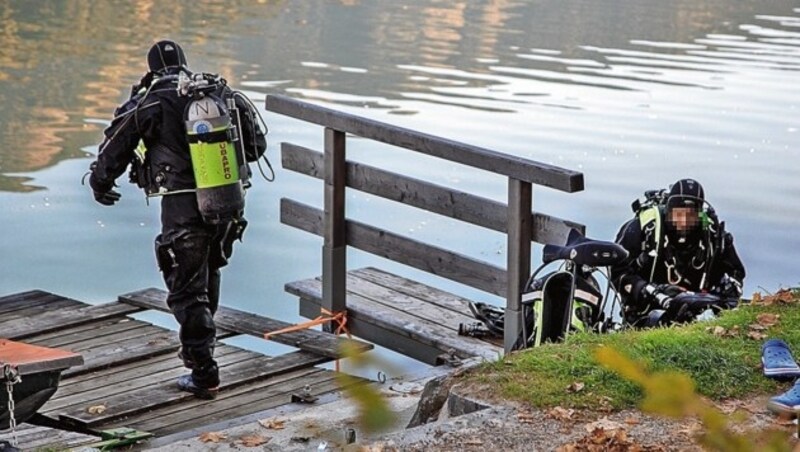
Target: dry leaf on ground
x=575 y=387
x=561 y=414
x=273 y=424
x=253 y=440
x=767 y=319
x=604 y=424
x=96 y=409
x=756 y=336
x=212 y=437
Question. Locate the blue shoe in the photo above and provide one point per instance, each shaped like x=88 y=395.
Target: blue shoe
x=186 y=383
x=786 y=404
x=777 y=361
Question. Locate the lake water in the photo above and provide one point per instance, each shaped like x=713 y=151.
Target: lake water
x=635 y=94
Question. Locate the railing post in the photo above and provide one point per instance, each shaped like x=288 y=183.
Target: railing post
x=519 y=256
x=334 y=248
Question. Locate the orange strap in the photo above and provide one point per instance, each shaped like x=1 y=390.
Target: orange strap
x=326 y=316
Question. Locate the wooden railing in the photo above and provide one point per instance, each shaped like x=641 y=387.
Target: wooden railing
x=515 y=219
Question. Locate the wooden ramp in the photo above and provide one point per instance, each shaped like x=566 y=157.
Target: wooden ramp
x=403 y=315
x=130 y=366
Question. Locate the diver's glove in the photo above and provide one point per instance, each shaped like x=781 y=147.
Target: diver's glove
x=107 y=198
x=660 y=296
x=103 y=193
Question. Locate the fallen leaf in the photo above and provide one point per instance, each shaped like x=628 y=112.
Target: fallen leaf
x=96 y=409
x=604 y=424
x=212 y=437
x=575 y=387
x=273 y=424
x=561 y=414
x=253 y=440
x=632 y=421
x=781 y=296
x=474 y=442
x=767 y=319
x=757 y=327
x=755 y=335
x=756 y=298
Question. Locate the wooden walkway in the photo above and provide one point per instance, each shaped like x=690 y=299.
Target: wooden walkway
x=130 y=367
x=403 y=315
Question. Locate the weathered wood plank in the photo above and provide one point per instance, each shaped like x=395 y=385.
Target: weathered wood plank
x=123 y=353
x=36 y=438
x=437 y=261
x=54 y=304
x=135 y=385
x=262 y=400
x=27 y=300
x=367 y=330
x=334 y=255
x=424 y=331
x=27 y=295
x=518 y=262
x=432 y=295
x=427 y=196
x=78 y=333
x=63 y=318
x=393 y=300
x=167 y=393
x=195 y=410
x=496 y=162
x=311 y=340
x=125 y=372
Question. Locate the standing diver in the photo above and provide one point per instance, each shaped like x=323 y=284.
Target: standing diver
x=187 y=125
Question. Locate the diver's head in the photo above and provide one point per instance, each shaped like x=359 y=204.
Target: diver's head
x=684 y=206
x=165 y=57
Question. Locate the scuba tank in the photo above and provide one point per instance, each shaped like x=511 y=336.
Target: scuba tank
x=220 y=170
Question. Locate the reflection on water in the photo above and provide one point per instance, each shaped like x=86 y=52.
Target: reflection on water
x=684 y=88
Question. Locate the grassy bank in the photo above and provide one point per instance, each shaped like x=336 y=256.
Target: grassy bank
x=722 y=357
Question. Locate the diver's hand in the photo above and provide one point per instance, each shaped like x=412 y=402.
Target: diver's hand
x=107 y=198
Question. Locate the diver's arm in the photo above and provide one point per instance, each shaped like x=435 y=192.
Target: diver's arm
x=625 y=275
x=131 y=121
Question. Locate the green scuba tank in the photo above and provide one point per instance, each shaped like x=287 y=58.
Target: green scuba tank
x=220 y=192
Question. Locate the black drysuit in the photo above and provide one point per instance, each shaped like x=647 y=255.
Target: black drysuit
x=687 y=266
x=189 y=251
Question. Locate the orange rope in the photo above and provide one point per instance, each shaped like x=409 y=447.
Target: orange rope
x=325 y=316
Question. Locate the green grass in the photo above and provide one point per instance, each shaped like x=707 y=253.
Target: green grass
x=721 y=367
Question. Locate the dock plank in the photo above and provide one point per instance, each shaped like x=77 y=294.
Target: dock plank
x=412 y=288
x=254 y=402
x=63 y=318
x=46 y=303
x=410 y=304
x=310 y=340
x=166 y=394
x=135 y=385
x=421 y=330
x=161 y=418
x=113 y=375
x=78 y=333
x=37 y=438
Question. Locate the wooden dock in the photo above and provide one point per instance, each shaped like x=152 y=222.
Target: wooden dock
x=130 y=367
x=403 y=315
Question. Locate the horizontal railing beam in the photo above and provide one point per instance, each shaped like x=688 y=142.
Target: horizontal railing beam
x=445 y=201
x=505 y=164
x=434 y=260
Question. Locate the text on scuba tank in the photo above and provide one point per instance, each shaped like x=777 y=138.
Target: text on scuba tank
x=226 y=164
